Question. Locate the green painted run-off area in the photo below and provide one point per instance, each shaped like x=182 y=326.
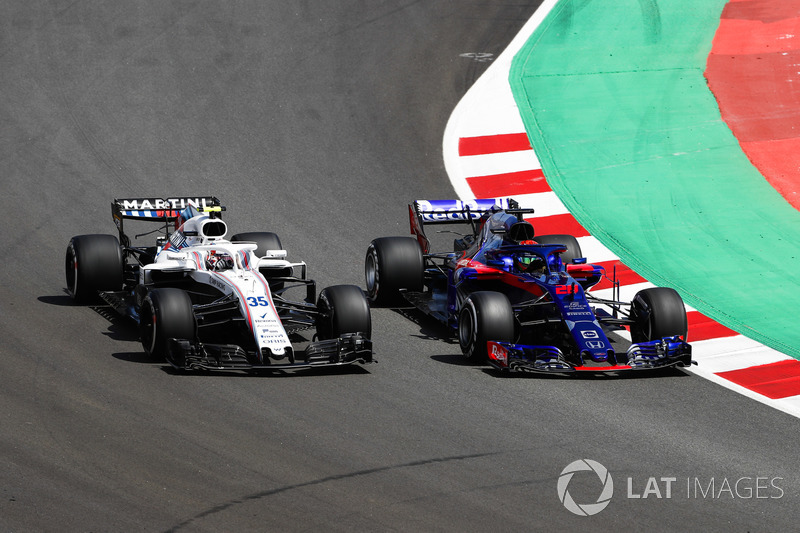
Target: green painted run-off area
x=630 y=138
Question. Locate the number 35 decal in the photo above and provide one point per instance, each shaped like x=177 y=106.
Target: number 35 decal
x=252 y=301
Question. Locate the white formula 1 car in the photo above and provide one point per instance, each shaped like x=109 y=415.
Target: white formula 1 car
x=204 y=302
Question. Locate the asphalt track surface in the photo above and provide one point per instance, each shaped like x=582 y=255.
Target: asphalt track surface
x=319 y=121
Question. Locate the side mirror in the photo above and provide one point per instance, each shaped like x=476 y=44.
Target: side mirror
x=579 y=261
x=275 y=254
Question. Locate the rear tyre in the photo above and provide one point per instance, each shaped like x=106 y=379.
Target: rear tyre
x=573 y=247
x=484 y=316
x=391 y=264
x=343 y=309
x=166 y=313
x=658 y=312
x=93 y=263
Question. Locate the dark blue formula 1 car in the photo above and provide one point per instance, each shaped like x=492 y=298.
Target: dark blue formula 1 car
x=520 y=301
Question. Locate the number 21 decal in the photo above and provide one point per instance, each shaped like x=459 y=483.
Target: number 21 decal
x=567 y=289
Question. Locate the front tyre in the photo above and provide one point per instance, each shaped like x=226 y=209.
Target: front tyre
x=343 y=309
x=392 y=264
x=657 y=312
x=166 y=313
x=484 y=316
x=93 y=263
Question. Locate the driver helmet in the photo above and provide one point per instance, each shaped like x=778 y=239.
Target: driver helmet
x=530 y=263
x=219 y=261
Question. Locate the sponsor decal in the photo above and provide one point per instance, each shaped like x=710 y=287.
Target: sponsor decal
x=590 y=334
x=217 y=283
x=498 y=353
x=578 y=313
x=449 y=210
x=150 y=204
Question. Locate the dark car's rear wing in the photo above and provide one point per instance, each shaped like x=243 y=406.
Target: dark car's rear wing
x=455 y=211
x=422 y=212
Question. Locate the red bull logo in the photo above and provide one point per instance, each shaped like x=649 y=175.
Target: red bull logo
x=498 y=353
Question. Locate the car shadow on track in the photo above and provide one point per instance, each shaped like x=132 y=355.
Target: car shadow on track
x=306 y=373
x=61 y=300
x=120 y=328
x=429 y=328
x=671 y=372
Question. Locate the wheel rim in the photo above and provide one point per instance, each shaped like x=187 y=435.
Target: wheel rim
x=72 y=273
x=148 y=330
x=371 y=273
x=466 y=329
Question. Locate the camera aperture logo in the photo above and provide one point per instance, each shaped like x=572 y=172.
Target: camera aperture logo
x=585 y=509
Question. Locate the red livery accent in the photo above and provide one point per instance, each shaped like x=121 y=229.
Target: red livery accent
x=609 y=368
x=567 y=289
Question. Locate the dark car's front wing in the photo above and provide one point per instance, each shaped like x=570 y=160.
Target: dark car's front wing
x=669 y=351
x=347 y=349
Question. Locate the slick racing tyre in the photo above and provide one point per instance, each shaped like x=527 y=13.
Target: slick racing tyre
x=343 y=309
x=573 y=247
x=658 y=312
x=93 y=263
x=166 y=313
x=391 y=264
x=484 y=316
